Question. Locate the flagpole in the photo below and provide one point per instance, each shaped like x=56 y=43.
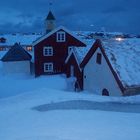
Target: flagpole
x=50 y=5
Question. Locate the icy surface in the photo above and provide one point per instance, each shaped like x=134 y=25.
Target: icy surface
x=89 y=105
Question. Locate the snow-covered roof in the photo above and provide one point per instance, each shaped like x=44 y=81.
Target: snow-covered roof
x=16 y=53
x=124 y=56
x=24 y=39
x=82 y=51
x=2 y=53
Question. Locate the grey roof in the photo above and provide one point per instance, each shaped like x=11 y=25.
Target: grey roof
x=16 y=53
x=50 y=16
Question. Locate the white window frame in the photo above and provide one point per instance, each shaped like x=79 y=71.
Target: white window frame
x=49 y=67
x=48 y=51
x=61 y=36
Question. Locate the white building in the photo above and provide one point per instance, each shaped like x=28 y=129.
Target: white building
x=16 y=60
x=112 y=67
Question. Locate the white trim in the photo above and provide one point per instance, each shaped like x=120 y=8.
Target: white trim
x=61 y=36
x=52 y=32
x=67 y=59
x=69 y=49
x=50 y=67
x=49 y=51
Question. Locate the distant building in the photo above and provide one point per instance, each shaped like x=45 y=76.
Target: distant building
x=2 y=40
x=16 y=60
x=25 y=40
x=50 y=22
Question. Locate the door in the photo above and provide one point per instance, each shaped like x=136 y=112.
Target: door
x=72 y=71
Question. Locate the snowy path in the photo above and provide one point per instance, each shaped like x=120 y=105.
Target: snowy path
x=90 y=105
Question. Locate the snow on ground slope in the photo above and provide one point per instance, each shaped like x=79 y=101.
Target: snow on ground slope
x=17 y=84
x=18 y=121
x=67 y=118
x=13 y=84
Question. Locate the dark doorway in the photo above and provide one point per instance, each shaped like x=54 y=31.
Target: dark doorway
x=105 y=92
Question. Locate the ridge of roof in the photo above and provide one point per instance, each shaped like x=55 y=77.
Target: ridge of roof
x=53 y=31
x=91 y=51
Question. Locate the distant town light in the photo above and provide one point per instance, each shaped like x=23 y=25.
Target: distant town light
x=119 y=39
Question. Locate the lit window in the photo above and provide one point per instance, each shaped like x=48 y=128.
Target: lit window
x=48 y=51
x=48 y=67
x=61 y=36
x=99 y=58
x=29 y=48
x=119 y=39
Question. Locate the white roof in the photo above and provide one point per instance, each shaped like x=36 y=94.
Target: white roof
x=2 y=53
x=82 y=51
x=125 y=58
x=11 y=39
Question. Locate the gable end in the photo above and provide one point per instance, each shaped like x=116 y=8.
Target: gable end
x=91 y=52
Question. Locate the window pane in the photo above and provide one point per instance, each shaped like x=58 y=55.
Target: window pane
x=61 y=36
x=48 y=67
x=48 y=51
x=99 y=58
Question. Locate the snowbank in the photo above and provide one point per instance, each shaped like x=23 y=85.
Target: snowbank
x=13 y=84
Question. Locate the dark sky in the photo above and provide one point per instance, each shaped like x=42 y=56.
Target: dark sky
x=29 y=15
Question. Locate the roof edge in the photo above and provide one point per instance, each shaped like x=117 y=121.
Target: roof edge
x=52 y=32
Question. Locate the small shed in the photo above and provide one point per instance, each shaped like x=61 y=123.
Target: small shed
x=16 y=60
x=2 y=40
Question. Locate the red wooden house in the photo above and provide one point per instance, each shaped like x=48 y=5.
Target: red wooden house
x=52 y=49
x=73 y=69
x=73 y=62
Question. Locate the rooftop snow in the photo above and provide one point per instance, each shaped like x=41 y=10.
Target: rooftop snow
x=82 y=51
x=11 y=39
x=125 y=58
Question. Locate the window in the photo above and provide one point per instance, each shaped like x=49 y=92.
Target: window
x=61 y=36
x=48 y=67
x=48 y=51
x=29 y=48
x=99 y=58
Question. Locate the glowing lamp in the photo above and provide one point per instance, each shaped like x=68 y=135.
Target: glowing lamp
x=119 y=39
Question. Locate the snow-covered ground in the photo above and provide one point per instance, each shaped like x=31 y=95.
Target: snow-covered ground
x=21 y=120
x=44 y=108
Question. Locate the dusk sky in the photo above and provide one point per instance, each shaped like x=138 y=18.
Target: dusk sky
x=29 y=15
